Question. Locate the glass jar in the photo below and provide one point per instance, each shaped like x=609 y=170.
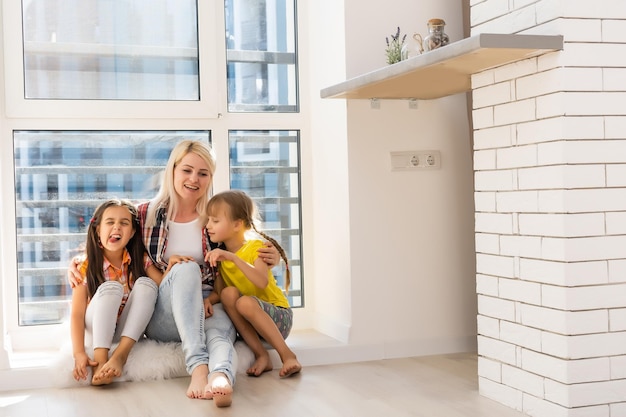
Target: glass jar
x=436 y=36
x=412 y=47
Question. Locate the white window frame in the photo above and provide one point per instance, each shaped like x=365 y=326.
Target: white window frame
x=210 y=113
x=210 y=46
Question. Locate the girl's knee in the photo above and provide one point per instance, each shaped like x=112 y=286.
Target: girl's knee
x=229 y=295
x=111 y=288
x=146 y=287
x=145 y=283
x=246 y=304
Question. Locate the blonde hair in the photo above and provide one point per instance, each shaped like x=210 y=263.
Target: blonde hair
x=241 y=207
x=166 y=197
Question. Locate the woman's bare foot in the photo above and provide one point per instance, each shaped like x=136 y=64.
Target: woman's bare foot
x=198 y=381
x=219 y=390
x=262 y=364
x=106 y=373
x=291 y=366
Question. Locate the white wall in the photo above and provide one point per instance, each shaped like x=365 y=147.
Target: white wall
x=393 y=260
x=389 y=256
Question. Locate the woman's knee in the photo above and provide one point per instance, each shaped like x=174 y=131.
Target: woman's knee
x=189 y=268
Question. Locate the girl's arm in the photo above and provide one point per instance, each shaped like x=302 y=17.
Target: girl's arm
x=77 y=329
x=257 y=273
x=154 y=274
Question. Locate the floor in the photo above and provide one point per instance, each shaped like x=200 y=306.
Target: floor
x=430 y=386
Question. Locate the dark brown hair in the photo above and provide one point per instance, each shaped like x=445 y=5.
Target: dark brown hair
x=242 y=207
x=95 y=254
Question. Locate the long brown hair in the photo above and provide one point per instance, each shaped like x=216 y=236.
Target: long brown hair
x=95 y=254
x=242 y=207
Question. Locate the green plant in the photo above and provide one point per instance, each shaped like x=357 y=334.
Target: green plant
x=394 y=47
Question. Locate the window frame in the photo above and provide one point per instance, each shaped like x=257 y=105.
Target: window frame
x=210 y=46
x=211 y=113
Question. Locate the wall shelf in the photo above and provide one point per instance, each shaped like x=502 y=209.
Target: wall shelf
x=444 y=71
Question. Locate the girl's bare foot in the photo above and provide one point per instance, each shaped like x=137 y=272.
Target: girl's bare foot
x=198 y=381
x=291 y=366
x=219 y=389
x=262 y=364
x=108 y=372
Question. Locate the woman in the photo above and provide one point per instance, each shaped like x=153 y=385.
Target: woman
x=173 y=232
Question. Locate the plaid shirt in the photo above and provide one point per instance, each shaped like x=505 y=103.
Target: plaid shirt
x=155 y=239
x=113 y=273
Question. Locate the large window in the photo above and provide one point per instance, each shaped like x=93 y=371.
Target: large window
x=261 y=53
x=128 y=50
x=60 y=178
x=267 y=165
x=100 y=92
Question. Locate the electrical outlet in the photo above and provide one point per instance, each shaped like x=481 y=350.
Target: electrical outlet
x=411 y=160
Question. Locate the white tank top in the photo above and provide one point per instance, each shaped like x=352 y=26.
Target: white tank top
x=185 y=239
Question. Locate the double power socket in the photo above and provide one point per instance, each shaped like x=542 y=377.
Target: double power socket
x=412 y=160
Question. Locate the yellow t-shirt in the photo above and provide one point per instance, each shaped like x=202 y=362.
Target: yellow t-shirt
x=233 y=277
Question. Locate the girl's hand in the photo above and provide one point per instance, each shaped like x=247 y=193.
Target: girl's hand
x=208 y=307
x=269 y=254
x=81 y=361
x=216 y=255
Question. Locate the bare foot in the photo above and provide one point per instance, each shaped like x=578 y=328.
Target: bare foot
x=262 y=364
x=290 y=367
x=219 y=389
x=198 y=381
x=108 y=372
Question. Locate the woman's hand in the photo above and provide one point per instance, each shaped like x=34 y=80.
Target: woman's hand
x=176 y=259
x=73 y=275
x=269 y=254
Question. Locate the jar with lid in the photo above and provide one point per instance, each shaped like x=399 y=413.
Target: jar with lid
x=436 y=36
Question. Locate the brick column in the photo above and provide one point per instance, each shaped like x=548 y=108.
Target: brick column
x=550 y=198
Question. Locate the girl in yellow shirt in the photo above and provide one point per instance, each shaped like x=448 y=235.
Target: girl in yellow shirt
x=256 y=305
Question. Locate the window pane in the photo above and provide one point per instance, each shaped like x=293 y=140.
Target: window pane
x=261 y=55
x=111 y=49
x=60 y=178
x=266 y=164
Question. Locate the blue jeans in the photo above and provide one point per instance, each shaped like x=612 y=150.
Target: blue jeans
x=179 y=314
x=221 y=334
x=179 y=317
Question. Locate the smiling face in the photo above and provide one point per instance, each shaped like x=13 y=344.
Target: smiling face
x=115 y=228
x=192 y=177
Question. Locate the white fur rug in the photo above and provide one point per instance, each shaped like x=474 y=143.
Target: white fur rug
x=148 y=360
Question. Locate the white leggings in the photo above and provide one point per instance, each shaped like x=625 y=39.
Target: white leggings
x=101 y=317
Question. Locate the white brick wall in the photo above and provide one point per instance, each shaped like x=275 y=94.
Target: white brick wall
x=550 y=193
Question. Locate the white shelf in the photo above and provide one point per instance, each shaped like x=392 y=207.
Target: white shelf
x=444 y=71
